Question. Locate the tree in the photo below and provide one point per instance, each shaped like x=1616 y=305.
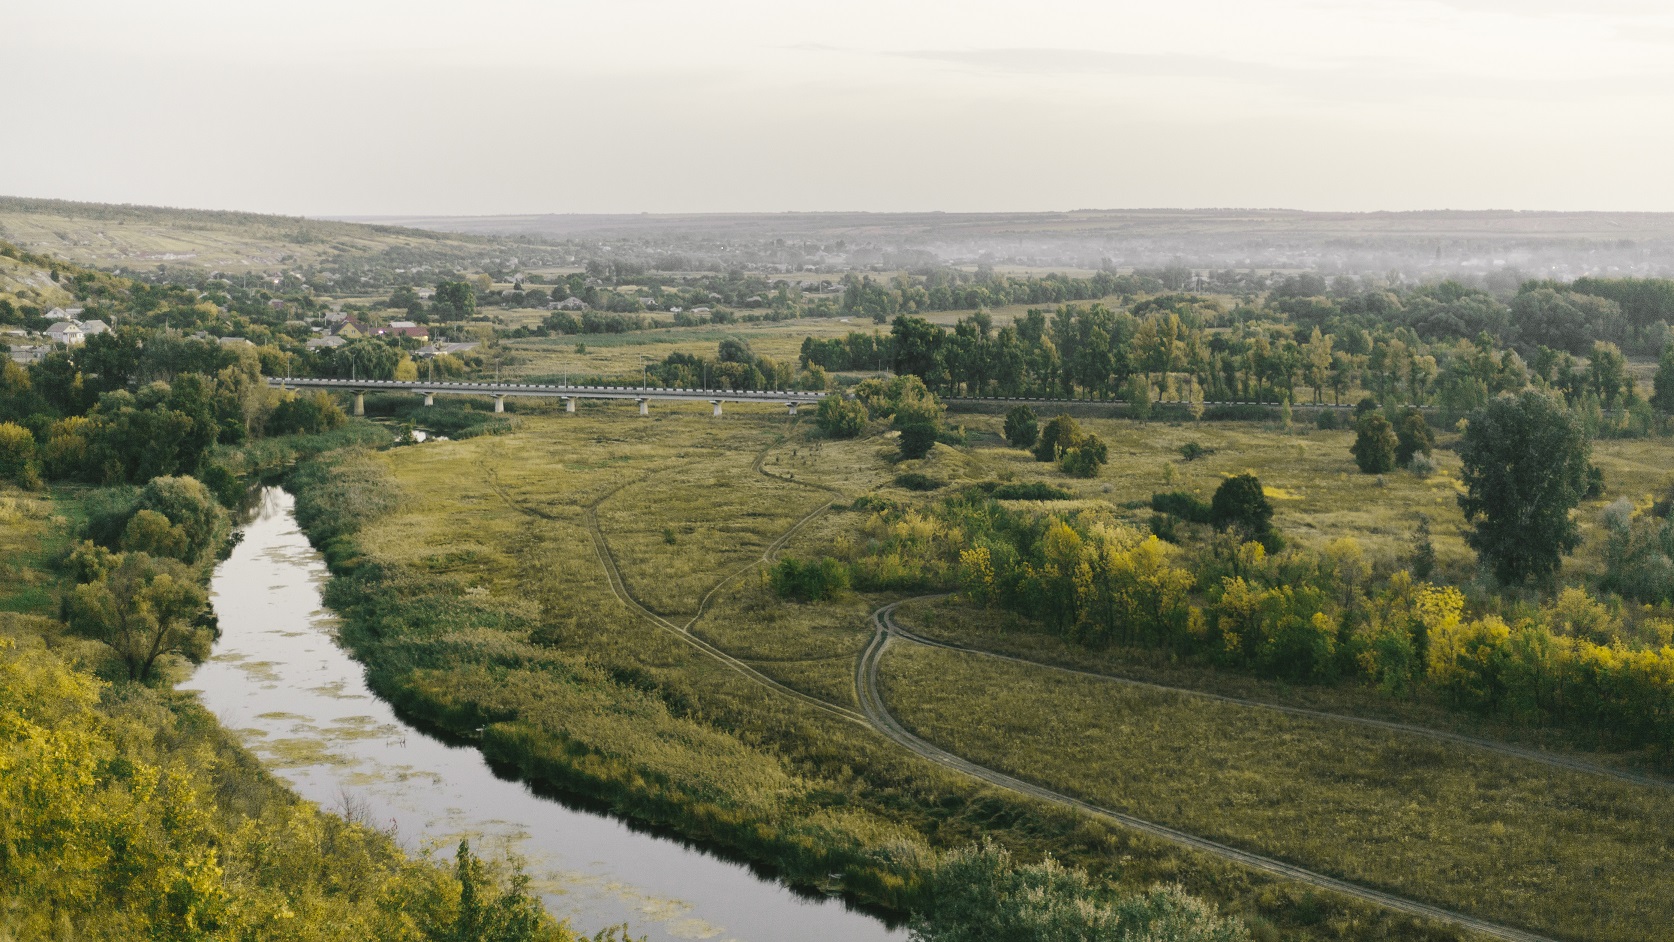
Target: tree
x=185 y=503
x=1375 y=444
x=143 y=607
x=454 y=300
x=1663 y=396
x=17 y=456
x=1085 y=459
x=919 y=421
x=1058 y=436
x=1413 y=437
x=1240 y=503
x=1525 y=469
x=1021 y=427
x=841 y=418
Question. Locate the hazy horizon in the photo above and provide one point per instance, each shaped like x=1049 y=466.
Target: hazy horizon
x=514 y=107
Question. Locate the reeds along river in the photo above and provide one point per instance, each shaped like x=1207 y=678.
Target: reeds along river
x=301 y=704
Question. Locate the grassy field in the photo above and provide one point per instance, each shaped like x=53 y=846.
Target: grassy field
x=492 y=609
x=1557 y=851
x=35 y=530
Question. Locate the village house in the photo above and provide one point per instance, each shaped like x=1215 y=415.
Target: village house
x=324 y=343
x=68 y=333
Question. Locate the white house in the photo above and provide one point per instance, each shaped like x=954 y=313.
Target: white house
x=94 y=328
x=68 y=333
x=63 y=314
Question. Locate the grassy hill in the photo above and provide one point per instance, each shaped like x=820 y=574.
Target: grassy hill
x=145 y=237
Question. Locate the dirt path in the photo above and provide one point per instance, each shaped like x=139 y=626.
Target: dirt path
x=877 y=712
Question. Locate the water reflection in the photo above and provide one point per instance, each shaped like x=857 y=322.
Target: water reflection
x=300 y=703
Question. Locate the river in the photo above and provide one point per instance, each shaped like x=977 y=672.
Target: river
x=299 y=702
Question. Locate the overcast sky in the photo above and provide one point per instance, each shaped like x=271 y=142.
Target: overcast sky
x=326 y=107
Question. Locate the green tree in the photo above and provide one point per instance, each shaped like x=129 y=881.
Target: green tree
x=1241 y=504
x=454 y=300
x=1525 y=470
x=1375 y=444
x=1056 y=437
x=1022 y=428
x=1086 y=458
x=919 y=421
x=18 y=463
x=1663 y=395
x=185 y=503
x=841 y=418
x=143 y=608
x=1413 y=437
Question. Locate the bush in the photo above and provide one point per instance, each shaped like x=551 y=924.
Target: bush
x=1058 y=436
x=1022 y=429
x=1413 y=437
x=1374 y=445
x=1191 y=451
x=1032 y=490
x=1327 y=420
x=1086 y=458
x=17 y=456
x=188 y=506
x=913 y=481
x=808 y=581
x=1241 y=504
x=978 y=894
x=838 y=417
x=1241 y=412
x=1182 y=505
x=306 y=414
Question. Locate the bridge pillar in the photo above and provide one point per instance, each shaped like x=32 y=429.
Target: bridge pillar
x=499 y=403
x=360 y=403
x=569 y=404
x=717 y=404
x=429 y=399
x=644 y=407
x=792 y=407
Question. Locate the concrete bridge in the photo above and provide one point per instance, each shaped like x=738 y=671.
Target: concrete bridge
x=500 y=391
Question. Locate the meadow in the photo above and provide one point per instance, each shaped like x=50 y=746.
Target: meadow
x=474 y=588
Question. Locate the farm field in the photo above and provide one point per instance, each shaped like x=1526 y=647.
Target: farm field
x=526 y=554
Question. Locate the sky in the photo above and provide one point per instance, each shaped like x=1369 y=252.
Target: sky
x=354 y=107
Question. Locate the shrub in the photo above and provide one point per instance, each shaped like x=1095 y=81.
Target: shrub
x=17 y=456
x=1374 y=444
x=1241 y=412
x=189 y=506
x=978 y=893
x=1021 y=427
x=1327 y=420
x=1032 y=490
x=1058 y=436
x=913 y=481
x=1191 y=451
x=1412 y=437
x=808 y=581
x=1241 y=504
x=841 y=418
x=1086 y=458
x=1182 y=505
x=306 y=414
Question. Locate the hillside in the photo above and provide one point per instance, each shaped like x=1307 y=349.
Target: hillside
x=145 y=238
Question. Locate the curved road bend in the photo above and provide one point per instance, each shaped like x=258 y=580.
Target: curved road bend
x=1488 y=745
x=877 y=712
